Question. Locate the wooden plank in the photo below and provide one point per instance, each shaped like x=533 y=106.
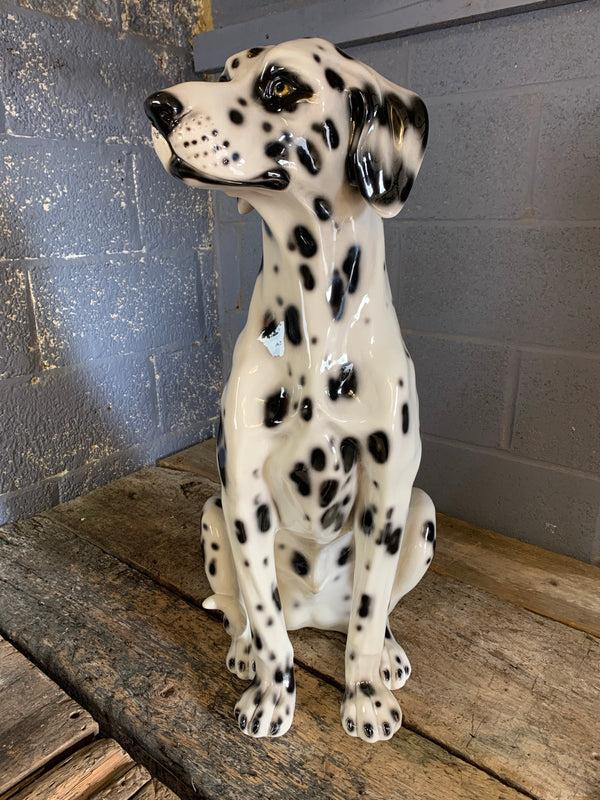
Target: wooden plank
x=124 y=787
x=129 y=518
x=81 y=776
x=150 y=666
x=450 y=631
x=201 y=459
x=547 y=583
x=153 y=790
x=39 y=724
x=553 y=585
x=351 y=22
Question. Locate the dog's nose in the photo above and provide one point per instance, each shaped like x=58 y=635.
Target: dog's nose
x=163 y=109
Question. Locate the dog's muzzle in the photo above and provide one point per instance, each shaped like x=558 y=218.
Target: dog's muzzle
x=163 y=110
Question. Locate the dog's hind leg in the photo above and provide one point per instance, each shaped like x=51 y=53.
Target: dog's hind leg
x=416 y=553
x=222 y=577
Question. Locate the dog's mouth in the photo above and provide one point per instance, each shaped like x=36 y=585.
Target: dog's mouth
x=276 y=179
x=165 y=113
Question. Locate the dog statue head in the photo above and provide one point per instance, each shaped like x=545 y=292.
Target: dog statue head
x=281 y=115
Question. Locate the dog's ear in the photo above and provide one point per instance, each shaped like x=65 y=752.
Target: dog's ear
x=387 y=142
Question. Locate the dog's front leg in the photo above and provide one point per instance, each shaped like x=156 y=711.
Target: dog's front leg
x=266 y=708
x=369 y=709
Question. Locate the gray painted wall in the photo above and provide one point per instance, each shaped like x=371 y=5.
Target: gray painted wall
x=494 y=264
x=109 y=356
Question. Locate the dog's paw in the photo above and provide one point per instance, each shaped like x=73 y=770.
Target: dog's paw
x=370 y=711
x=267 y=707
x=240 y=659
x=395 y=666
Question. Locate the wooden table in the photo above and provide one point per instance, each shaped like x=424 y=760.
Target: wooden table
x=49 y=746
x=103 y=593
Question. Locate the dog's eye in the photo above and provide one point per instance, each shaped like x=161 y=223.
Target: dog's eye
x=281 y=89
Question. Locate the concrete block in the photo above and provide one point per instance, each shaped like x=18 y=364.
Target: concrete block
x=172 y=214
x=548 y=507
x=102 y=12
x=567 y=176
x=524 y=284
x=168 y=21
x=66 y=80
x=232 y=324
x=62 y=200
x=228 y=275
x=389 y=58
x=64 y=419
x=461 y=387
x=91 y=476
x=28 y=502
x=554 y=44
x=251 y=253
x=477 y=162
x=95 y=309
x=189 y=387
x=556 y=415
x=16 y=336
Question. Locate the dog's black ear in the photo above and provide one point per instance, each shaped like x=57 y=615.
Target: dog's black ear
x=388 y=138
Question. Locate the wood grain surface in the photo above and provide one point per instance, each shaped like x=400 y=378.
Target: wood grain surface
x=149 y=665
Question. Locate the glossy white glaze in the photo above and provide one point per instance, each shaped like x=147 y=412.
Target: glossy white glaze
x=317 y=524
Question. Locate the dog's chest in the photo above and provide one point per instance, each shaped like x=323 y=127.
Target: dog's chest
x=314 y=481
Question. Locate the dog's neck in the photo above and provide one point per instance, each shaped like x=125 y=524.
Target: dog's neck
x=292 y=229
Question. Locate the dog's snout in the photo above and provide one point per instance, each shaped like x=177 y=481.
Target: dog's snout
x=163 y=110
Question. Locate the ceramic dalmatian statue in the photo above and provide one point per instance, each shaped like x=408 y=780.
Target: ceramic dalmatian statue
x=318 y=523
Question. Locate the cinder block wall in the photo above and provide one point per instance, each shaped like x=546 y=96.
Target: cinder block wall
x=108 y=349
x=495 y=269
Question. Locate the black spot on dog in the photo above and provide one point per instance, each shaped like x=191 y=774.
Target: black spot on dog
x=336 y=295
x=305 y=241
x=276 y=408
x=344 y=555
x=379 y=446
x=392 y=539
x=405 y=419
x=222 y=464
x=350 y=724
x=255 y=51
x=334 y=516
x=367 y=522
x=307 y=277
x=212 y=567
x=269 y=325
x=317 y=459
x=299 y=563
x=327 y=491
x=387 y=728
x=330 y=134
x=267 y=127
x=365 y=687
x=322 y=208
x=309 y=157
x=301 y=477
x=306 y=409
x=365 y=606
x=292 y=325
x=263 y=518
x=351 y=267
x=236 y=116
x=345 y=385
x=240 y=531
x=276 y=598
x=276 y=149
x=235 y=63
x=349 y=449
x=395 y=715
x=334 y=80
x=258 y=643
x=429 y=532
